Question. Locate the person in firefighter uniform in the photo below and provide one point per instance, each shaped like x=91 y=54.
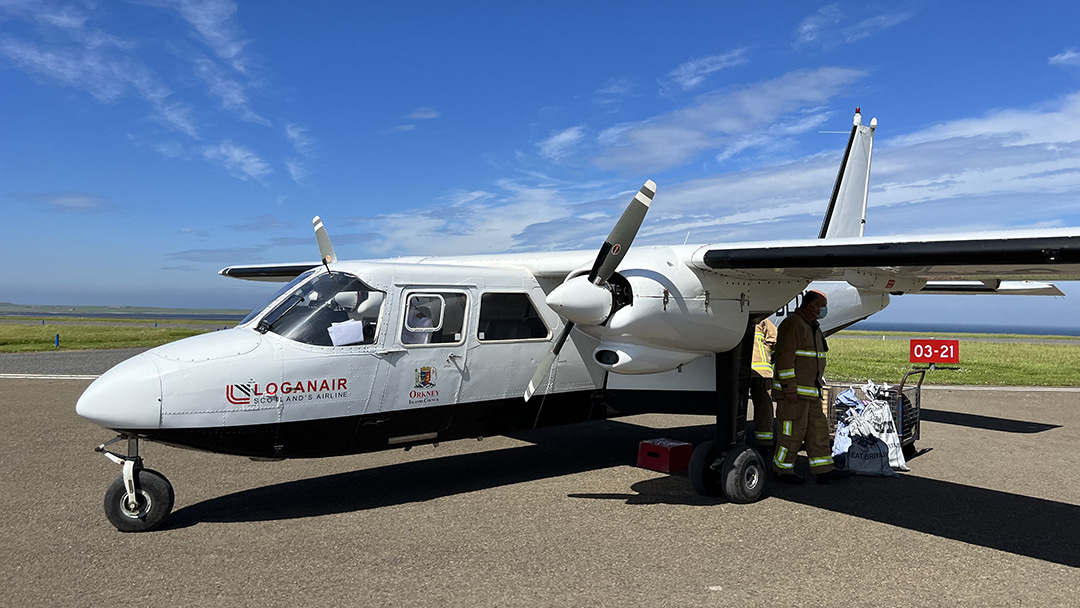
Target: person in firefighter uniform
x=799 y=362
x=760 y=385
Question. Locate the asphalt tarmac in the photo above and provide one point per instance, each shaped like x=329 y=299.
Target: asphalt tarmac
x=988 y=516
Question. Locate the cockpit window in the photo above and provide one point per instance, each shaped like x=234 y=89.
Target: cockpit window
x=335 y=309
x=292 y=284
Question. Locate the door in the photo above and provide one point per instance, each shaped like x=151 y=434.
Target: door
x=427 y=358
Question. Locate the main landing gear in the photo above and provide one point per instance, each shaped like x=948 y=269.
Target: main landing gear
x=727 y=466
x=140 y=499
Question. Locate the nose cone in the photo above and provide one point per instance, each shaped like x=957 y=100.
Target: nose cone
x=580 y=301
x=127 y=396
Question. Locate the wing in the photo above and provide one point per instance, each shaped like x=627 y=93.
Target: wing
x=872 y=263
x=281 y=273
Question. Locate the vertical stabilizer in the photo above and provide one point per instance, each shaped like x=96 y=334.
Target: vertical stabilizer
x=846 y=215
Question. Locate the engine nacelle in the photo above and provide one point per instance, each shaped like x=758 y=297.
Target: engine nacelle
x=676 y=313
x=638 y=359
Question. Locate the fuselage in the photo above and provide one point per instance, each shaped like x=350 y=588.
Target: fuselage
x=374 y=356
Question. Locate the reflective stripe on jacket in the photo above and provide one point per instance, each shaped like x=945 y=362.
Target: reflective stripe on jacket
x=764 y=339
x=799 y=358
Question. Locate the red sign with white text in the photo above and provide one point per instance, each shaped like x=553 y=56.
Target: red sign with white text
x=935 y=351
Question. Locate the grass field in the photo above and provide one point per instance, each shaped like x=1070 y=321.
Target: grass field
x=76 y=333
x=851 y=359
x=986 y=363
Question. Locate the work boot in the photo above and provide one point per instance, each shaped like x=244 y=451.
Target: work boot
x=791 y=478
x=831 y=476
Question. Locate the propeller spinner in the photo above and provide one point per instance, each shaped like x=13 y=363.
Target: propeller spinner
x=588 y=299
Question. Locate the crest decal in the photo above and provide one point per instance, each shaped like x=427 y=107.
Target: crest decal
x=425 y=377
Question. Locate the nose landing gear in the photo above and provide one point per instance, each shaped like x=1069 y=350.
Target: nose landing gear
x=140 y=499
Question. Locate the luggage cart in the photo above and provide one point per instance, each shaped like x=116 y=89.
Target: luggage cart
x=905 y=404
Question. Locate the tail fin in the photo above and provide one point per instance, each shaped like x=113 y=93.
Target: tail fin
x=846 y=215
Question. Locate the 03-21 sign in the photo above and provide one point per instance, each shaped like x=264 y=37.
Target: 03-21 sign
x=935 y=351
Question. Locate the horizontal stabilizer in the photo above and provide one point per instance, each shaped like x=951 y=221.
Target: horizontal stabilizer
x=281 y=273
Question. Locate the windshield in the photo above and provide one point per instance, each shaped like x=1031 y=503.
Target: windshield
x=335 y=309
x=292 y=284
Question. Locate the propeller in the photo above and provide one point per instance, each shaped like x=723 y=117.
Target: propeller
x=588 y=299
x=326 y=250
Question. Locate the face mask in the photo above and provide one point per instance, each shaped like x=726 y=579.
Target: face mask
x=822 y=312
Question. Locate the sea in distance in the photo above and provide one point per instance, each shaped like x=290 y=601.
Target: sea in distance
x=954 y=328
x=936 y=328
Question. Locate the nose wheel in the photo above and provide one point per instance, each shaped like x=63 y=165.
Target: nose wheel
x=140 y=499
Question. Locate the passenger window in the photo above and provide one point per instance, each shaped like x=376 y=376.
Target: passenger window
x=434 y=318
x=509 y=316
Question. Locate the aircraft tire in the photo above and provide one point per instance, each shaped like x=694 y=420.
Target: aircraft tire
x=703 y=476
x=743 y=475
x=155 y=497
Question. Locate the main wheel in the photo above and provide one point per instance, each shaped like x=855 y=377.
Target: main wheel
x=702 y=474
x=743 y=475
x=154 y=502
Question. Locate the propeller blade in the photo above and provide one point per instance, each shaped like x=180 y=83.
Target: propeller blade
x=326 y=250
x=548 y=360
x=618 y=242
x=585 y=303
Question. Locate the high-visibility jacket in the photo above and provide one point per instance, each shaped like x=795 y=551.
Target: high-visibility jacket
x=764 y=339
x=799 y=358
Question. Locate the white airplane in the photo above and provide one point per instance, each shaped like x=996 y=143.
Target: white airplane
x=361 y=356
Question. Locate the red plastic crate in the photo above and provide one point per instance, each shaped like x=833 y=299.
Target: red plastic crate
x=664 y=455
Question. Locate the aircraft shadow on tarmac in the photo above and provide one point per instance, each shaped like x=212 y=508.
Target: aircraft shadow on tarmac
x=1023 y=525
x=556 y=452
x=988 y=423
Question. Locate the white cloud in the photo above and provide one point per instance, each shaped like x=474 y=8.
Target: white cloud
x=473 y=222
x=824 y=27
x=298 y=138
x=297 y=168
x=719 y=120
x=239 y=161
x=103 y=71
x=614 y=91
x=692 y=73
x=263 y=223
x=424 y=114
x=1009 y=168
x=303 y=144
x=1069 y=57
x=212 y=21
x=231 y=93
x=67 y=202
x=562 y=144
x=811 y=28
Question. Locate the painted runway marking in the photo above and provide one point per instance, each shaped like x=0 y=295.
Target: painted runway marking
x=45 y=377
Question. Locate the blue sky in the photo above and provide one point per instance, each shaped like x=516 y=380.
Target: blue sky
x=144 y=145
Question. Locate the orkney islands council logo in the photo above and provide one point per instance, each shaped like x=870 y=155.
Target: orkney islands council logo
x=425 y=377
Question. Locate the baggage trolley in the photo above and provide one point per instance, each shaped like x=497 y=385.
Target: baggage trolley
x=905 y=404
